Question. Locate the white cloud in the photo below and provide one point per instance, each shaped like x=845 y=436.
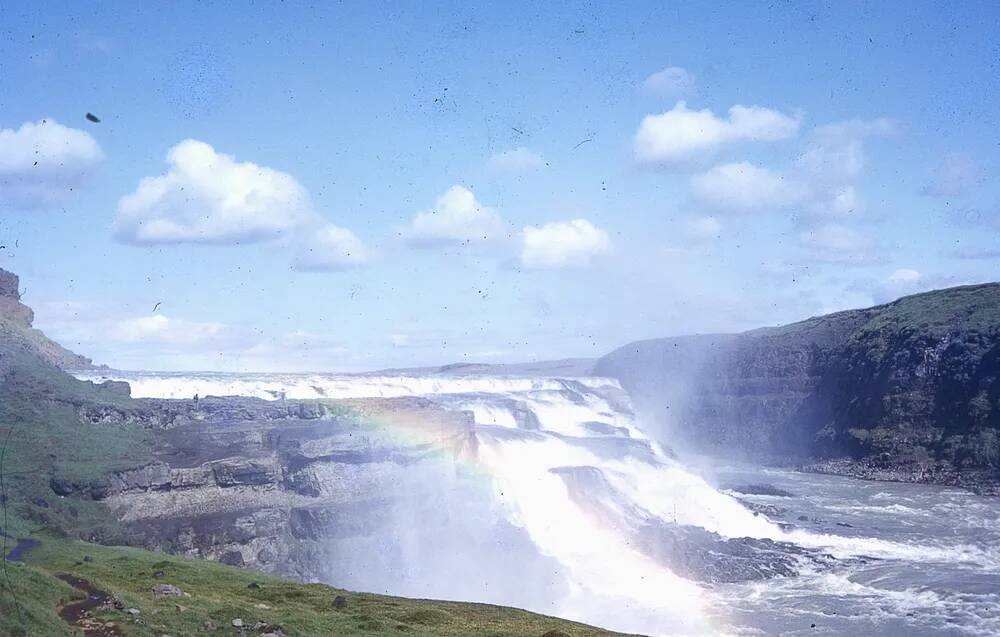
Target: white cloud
x=743 y=187
x=836 y=203
x=330 y=248
x=904 y=275
x=160 y=329
x=672 y=80
x=516 y=161
x=563 y=244
x=906 y=281
x=42 y=162
x=956 y=175
x=680 y=132
x=701 y=229
x=817 y=189
x=456 y=218
x=210 y=197
x=837 y=243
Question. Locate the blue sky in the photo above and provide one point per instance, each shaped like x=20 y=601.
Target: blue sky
x=365 y=185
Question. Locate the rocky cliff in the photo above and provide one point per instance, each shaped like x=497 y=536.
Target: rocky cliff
x=907 y=390
x=16 y=331
x=268 y=485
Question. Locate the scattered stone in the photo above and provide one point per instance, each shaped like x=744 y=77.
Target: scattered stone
x=209 y=625
x=134 y=612
x=262 y=606
x=253 y=586
x=166 y=590
x=237 y=623
x=179 y=608
x=87 y=558
x=159 y=574
x=339 y=601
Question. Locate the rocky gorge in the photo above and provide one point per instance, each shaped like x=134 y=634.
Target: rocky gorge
x=907 y=391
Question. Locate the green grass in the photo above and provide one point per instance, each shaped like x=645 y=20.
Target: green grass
x=969 y=307
x=218 y=594
x=47 y=439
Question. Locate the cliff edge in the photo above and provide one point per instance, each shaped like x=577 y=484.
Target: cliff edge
x=909 y=390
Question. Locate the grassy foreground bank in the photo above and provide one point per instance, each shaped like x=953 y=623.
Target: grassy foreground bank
x=214 y=595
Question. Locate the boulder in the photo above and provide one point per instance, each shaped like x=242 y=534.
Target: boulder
x=167 y=590
x=238 y=471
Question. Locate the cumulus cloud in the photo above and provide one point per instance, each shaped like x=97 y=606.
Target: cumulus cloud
x=817 y=189
x=744 y=187
x=330 y=248
x=516 y=161
x=954 y=176
x=835 y=153
x=672 y=80
x=563 y=244
x=456 y=218
x=42 y=162
x=210 y=197
x=681 y=132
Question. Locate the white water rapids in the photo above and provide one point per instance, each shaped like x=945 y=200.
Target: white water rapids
x=571 y=467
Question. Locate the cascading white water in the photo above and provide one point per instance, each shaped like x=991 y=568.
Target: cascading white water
x=572 y=469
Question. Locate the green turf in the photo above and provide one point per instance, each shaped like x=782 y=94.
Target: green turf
x=217 y=594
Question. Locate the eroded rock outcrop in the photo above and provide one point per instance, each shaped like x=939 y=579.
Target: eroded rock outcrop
x=265 y=484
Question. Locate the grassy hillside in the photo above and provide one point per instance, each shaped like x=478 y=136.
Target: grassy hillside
x=214 y=595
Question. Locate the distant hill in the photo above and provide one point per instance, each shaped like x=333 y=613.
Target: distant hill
x=561 y=367
x=906 y=390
